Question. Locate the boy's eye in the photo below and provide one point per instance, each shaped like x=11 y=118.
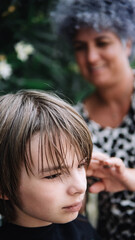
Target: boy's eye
x=53 y=176
x=83 y=163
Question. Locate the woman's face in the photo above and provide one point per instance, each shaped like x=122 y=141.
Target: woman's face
x=101 y=56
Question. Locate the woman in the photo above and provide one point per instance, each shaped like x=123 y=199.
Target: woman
x=102 y=33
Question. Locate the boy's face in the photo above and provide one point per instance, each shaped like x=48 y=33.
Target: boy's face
x=51 y=197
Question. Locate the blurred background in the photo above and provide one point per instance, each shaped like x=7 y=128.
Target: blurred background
x=31 y=57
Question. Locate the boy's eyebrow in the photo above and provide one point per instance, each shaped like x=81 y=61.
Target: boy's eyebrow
x=56 y=168
x=51 y=169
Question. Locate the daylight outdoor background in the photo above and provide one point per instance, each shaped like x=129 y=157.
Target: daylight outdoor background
x=30 y=55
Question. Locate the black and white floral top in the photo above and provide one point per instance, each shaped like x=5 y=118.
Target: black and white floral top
x=116 y=210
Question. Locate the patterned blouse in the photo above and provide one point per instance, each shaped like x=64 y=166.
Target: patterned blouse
x=116 y=210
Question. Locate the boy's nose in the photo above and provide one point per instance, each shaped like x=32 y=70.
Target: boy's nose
x=77 y=184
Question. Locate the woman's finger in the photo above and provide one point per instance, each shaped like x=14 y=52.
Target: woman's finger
x=96 y=187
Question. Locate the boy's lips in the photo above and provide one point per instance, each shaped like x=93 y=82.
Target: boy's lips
x=73 y=208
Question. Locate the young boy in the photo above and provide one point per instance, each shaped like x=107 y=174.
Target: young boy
x=45 y=149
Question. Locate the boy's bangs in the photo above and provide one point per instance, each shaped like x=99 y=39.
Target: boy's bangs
x=57 y=151
x=58 y=134
x=53 y=148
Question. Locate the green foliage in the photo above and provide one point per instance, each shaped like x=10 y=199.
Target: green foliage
x=46 y=68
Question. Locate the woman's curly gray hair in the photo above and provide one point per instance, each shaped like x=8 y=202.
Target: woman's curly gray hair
x=117 y=16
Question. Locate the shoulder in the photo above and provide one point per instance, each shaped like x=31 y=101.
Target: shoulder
x=80 y=229
x=83 y=224
x=3 y=232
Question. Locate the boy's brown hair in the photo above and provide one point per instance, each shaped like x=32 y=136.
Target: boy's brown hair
x=22 y=115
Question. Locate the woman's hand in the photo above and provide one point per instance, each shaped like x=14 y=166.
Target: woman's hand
x=113 y=174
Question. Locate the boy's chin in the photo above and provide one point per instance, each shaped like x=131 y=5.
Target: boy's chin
x=69 y=218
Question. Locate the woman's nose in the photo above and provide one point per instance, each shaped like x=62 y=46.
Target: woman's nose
x=92 y=54
x=77 y=184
